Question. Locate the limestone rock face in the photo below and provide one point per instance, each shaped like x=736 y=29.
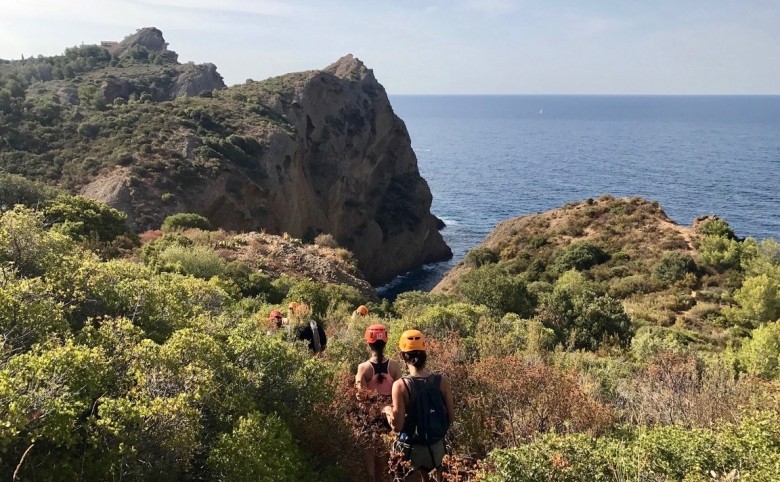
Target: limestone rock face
x=194 y=79
x=150 y=38
x=353 y=174
x=335 y=159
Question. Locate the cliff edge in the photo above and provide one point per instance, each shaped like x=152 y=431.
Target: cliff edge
x=305 y=154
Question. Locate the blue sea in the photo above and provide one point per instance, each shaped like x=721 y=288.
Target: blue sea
x=489 y=158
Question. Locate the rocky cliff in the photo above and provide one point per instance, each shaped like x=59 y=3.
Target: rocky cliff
x=335 y=159
x=307 y=153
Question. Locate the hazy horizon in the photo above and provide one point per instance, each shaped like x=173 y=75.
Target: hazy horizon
x=437 y=47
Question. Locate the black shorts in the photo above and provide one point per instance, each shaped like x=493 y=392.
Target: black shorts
x=423 y=457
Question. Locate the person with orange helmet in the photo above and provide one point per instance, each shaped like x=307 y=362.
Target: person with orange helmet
x=422 y=411
x=360 y=312
x=377 y=373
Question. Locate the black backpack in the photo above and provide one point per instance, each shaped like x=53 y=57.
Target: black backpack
x=427 y=419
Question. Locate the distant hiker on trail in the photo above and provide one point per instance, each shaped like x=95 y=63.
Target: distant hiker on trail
x=291 y=310
x=360 y=312
x=276 y=322
x=377 y=374
x=311 y=331
x=422 y=410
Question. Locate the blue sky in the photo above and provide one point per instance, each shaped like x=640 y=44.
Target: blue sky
x=439 y=46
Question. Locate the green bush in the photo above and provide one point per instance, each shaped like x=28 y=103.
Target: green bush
x=674 y=266
x=662 y=453
x=260 y=448
x=81 y=219
x=27 y=245
x=481 y=256
x=720 y=252
x=18 y=190
x=500 y=292
x=760 y=354
x=199 y=261
x=582 y=318
x=758 y=301
x=186 y=221
x=579 y=256
x=717 y=227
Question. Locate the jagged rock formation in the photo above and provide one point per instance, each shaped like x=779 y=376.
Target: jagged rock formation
x=334 y=159
x=306 y=153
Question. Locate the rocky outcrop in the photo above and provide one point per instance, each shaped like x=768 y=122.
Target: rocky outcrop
x=149 y=38
x=323 y=152
x=195 y=79
x=637 y=229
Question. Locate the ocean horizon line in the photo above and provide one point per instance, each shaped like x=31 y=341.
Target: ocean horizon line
x=584 y=95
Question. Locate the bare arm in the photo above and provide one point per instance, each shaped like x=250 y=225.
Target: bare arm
x=360 y=377
x=397 y=413
x=446 y=390
x=395 y=370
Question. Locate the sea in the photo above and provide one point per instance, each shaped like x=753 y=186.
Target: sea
x=490 y=158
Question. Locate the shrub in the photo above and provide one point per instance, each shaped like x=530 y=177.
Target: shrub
x=660 y=453
x=326 y=240
x=674 y=266
x=259 y=448
x=518 y=401
x=25 y=243
x=720 y=252
x=717 y=227
x=680 y=389
x=480 y=257
x=501 y=293
x=579 y=256
x=80 y=218
x=582 y=318
x=18 y=190
x=758 y=300
x=651 y=340
x=760 y=354
x=636 y=284
x=186 y=221
x=440 y=321
x=199 y=261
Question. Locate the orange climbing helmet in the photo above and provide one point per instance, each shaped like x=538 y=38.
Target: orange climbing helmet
x=362 y=310
x=412 y=340
x=275 y=314
x=375 y=333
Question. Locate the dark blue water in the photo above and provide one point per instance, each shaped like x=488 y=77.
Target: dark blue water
x=489 y=158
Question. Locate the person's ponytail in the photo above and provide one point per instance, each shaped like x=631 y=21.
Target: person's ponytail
x=378 y=347
x=416 y=358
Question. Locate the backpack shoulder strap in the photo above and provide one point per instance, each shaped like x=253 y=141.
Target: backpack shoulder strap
x=409 y=384
x=437 y=381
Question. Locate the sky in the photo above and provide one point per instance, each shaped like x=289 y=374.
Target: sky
x=441 y=46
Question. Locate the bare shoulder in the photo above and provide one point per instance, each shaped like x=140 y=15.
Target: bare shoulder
x=445 y=382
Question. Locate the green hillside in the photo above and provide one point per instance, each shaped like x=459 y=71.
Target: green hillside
x=141 y=357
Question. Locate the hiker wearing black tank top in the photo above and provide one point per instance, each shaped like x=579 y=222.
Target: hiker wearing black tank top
x=422 y=410
x=377 y=374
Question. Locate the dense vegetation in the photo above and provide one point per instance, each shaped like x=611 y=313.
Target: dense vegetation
x=67 y=119
x=136 y=358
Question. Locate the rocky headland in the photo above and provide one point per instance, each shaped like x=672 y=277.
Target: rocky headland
x=307 y=153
